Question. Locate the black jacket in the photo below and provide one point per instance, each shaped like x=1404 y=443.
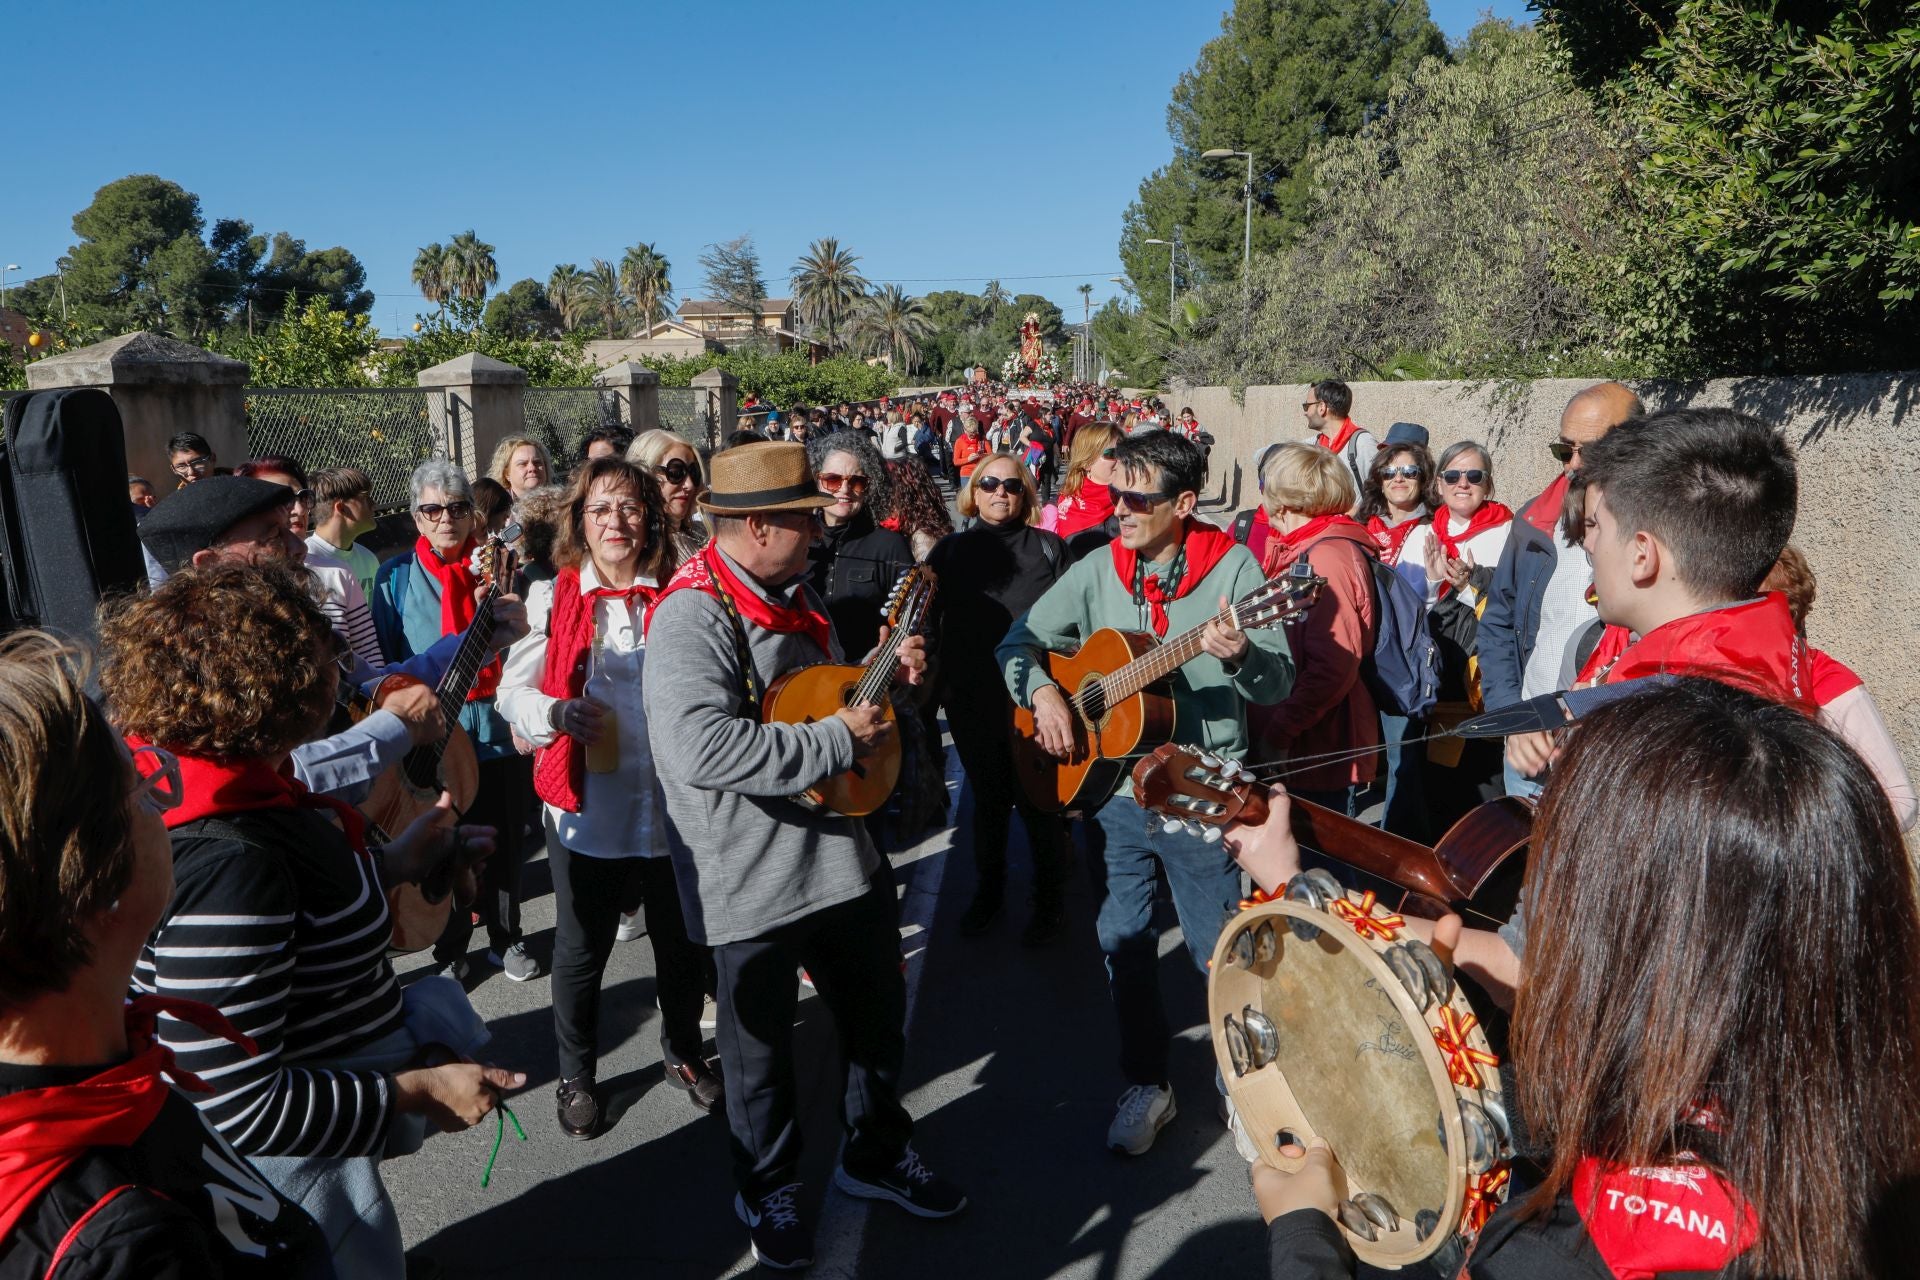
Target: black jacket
x=988 y=577
x=854 y=567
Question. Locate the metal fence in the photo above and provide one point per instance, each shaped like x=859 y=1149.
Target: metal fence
x=386 y=432
x=560 y=417
x=683 y=411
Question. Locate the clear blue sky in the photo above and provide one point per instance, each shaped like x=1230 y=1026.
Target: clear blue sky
x=932 y=140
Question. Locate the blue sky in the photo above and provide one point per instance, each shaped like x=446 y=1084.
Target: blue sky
x=929 y=140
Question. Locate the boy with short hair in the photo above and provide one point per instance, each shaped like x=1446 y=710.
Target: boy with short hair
x=343 y=511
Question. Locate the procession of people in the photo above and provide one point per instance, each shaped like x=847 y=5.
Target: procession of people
x=1711 y=976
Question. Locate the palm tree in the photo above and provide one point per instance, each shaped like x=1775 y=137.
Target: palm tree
x=891 y=324
x=471 y=269
x=827 y=286
x=566 y=294
x=430 y=273
x=994 y=295
x=644 y=275
x=604 y=294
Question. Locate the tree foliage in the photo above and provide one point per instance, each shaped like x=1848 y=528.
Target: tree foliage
x=647 y=277
x=784 y=379
x=892 y=325
x=733 y=275
x=315 y=345
x=455 y=330
x=827 y=288
x=523 y=311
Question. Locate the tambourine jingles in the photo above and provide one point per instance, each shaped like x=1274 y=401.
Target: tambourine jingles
x=1330 y=1020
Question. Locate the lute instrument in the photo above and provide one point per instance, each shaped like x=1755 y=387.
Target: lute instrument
x=1117 y=690
x=412 y=787
x=817 y=692
x=1473 y=869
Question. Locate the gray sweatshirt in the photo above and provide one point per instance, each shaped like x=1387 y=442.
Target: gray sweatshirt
x=748 y=859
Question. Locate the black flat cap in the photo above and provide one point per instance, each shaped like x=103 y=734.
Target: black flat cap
x=192 y=518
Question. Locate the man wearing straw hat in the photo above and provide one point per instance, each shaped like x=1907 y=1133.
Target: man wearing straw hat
x=769 y=885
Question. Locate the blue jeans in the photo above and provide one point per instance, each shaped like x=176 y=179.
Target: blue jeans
x=1206 y=893
x=1406 y=799
x=1525 y=788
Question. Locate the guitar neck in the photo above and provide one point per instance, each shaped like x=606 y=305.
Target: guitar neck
x=1392 y=858
x=1158 y=662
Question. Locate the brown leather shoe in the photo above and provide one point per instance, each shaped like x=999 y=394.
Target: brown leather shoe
x=701 y=1083
x=579 y=1108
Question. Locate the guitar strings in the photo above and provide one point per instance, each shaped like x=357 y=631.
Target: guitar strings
x=1107 y=685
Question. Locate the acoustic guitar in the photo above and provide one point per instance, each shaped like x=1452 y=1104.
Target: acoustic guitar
x=1117 y=691
x=1473 y=869
x=413 y=786
x=814 y=693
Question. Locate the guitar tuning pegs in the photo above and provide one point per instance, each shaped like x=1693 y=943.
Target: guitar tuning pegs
x=1194 y=829
x=1210 y=834
x=1173 y=826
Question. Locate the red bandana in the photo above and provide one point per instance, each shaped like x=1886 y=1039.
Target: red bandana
x=48 y=1129
x=1751 y=646
x=708 y=572
x=560 y=767
x=459 y=590
x=1204 y=547
x=1390 y=538
x=1315 y=528
x=1490 y=515
x=210 y=789
x=1338 y=441
x=1831 y=677
x=1651 y=1222
x=1086 y=507
x=1543 y=513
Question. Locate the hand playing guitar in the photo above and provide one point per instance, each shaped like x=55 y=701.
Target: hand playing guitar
x=418 y=707
x=509 y=621
x=1053 y=722
x=1223 y=641
x=912 y=656
x=429 y=842
x=869 y=725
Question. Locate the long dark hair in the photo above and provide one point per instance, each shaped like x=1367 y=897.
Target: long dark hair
x=1722 y=917
x=1373 y=497
x=917 y=500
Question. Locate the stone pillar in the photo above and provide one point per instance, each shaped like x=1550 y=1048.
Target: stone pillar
x=484 y=404
x=723 y=404
x=161 y=386
x=638 y=389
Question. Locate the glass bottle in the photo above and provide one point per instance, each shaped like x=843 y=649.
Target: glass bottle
x=602 y=756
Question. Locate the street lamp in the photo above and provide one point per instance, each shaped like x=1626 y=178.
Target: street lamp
x=1246 y=252
x=1170 y=286
x=11 y=266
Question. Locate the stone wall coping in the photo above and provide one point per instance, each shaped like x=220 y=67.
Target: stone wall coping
x=472 y=370
x=137 y=359
x=627 y=374
x=716 y=379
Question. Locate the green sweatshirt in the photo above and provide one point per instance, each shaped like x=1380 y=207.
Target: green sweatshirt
x=1209 y=705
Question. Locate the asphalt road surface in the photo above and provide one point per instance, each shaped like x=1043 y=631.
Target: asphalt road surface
x=1010 y=1076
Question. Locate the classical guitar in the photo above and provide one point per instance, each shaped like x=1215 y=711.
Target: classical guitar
x=412 y=787
x=1473 y=869
x=1116 y=688
x=814 y=693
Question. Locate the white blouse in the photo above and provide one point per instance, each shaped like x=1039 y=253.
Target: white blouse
x=623 y=814
x=1485 y=545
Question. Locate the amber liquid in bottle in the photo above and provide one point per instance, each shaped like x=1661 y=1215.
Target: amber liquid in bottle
x=602 y=756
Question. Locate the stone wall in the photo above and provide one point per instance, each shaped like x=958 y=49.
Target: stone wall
x=1858 y=438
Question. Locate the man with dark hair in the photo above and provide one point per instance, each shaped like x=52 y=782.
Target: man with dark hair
x=1686 y=512
x=605 y=442
x=1326 y=409
x=1165 y=573
x=190 y=457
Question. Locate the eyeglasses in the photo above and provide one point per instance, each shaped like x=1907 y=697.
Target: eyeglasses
x=1475 y=476
x=159 y=773
x=1138 y=504
x=1107 y=452
x=192 y=466
x=679 y=471
x=1406 y=471
x=833 y=482
x=1565 y=450
x=605 y=513
x=303 y=498
x=451 y=510
x=993 y=484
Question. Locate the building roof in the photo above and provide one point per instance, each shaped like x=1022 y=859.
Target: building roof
x=705 y=307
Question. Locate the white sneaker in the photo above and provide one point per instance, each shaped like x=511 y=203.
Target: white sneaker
x=709 y=1015
x=1145 y=1110
x=631 y=927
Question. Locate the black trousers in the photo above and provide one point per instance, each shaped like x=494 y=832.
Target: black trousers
x=503 y=802
x=589 y=896
x=852 y=953
x=981 y=731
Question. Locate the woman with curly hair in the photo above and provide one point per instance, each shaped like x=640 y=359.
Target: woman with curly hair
x=919 y=512
x=521 y=464
x=278 y=916
x=855 y=562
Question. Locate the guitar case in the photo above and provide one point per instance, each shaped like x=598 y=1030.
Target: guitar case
x=67 y=534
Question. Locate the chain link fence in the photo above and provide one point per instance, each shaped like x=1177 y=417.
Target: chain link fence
x=386 y=432
x=683 y=411
x=560 y=417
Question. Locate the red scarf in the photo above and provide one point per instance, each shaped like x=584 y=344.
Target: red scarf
x=708 y=572
x=210 y=789
x=1087 y=507
x=1751 y=646
x=1490 y=515
x=1204 y=547
x=48 y=1129
x=560 y=767
x=459 y=590
x=1348 y=429
x=1314 y=528
x=1651 y=1222
x=1390 y=538
x=1831 y=677
x=1543 y=513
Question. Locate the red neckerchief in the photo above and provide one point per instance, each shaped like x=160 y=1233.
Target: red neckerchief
x=1831 y=677
x=1543 y=513
x=1390 y=538
x=1752 y=646
x=1348 y=428
x=708 y=573
x=559 y=768
x=210 y=789
x=1490 y=515
x=1312 y=529
x=1650 y=1222
x=1204 y=547
x=459 y=592
x=1089 y=505
x=48 y=1129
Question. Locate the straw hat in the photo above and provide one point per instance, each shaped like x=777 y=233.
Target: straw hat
x=769 y=475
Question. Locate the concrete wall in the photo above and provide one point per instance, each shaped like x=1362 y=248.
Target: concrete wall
x=1858 y=437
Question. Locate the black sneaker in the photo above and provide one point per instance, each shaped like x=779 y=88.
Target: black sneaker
x=909 y=1184
x=981 y=911
x=579 y=1108
x=780 y=1241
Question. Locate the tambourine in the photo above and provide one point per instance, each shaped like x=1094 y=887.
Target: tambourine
x=1330 y=1020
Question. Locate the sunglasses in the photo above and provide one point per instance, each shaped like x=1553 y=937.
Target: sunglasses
x=1475 y=476
x=1307 y=404
x=1406 y=471
x=993 y=484
x=303 y=498
x=833 y=482
x=1565 y=450
x=1106 y=453
x=159 y=773
x=679 y=471
x=451 y=510
x=1138 y=504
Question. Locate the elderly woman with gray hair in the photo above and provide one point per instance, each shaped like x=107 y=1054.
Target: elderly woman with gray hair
x=855 y=561
x=418 y=597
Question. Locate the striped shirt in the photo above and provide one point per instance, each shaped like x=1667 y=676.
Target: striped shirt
x=286 y=934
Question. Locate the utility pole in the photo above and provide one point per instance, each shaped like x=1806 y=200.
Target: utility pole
x=1246 y=253
x=1171 y=251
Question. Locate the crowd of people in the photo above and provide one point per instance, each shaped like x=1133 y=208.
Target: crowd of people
x=205 y=1054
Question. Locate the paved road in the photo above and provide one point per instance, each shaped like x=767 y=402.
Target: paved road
x=1011 y=1078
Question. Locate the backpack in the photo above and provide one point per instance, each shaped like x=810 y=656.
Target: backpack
x=1243 y=526
x=1403 y=672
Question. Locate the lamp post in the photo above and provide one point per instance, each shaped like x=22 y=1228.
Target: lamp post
x=11 y=266
x=1170 y=256
x=1246 y=252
